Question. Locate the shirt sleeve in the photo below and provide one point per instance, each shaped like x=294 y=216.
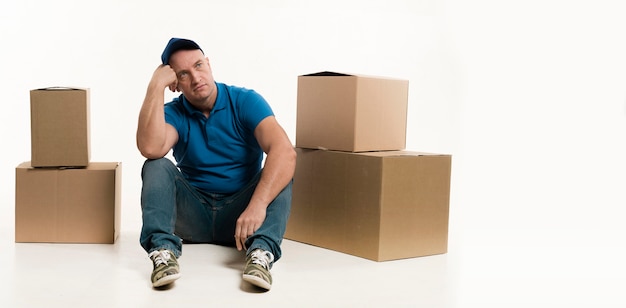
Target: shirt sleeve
x=174 y=115
x=253 y=108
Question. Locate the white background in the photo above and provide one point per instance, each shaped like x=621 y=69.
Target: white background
x=528 y=96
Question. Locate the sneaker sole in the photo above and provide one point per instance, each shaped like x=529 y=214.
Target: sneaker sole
x=259 y=282
x=165 y=280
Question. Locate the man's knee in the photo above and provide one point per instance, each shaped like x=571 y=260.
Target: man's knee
x=161 y=167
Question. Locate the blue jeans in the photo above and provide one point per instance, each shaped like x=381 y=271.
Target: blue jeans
x=173 y=211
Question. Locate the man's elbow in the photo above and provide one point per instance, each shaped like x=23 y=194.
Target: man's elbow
x=293 y=155
x=151 y=152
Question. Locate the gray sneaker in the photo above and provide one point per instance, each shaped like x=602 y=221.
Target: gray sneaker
x=257 y=270
x=165 y=269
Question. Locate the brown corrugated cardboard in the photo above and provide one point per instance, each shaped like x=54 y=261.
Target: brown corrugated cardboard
x=376 y=205
x=351 y=113
x=68 y=205
x=59 y=119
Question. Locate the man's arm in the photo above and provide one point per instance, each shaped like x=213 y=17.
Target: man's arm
x=280 y=165
x=154 y=136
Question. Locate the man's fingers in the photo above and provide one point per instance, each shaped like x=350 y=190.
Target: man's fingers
x=242 y=234
x=237 y=236
x=174 y=87
x=239 y=242
x=240 y=238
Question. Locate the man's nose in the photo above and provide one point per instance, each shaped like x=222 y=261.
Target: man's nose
x=195 y=77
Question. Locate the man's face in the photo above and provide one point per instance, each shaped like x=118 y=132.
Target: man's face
x=193 y=71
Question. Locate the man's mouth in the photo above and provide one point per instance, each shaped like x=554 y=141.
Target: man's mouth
x=199 y=87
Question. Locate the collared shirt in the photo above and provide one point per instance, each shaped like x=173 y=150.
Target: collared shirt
x=219 y=154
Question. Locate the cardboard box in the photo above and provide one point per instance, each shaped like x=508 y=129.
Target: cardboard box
x=351 y=113
x=65 y=205
x=376 y=205
x=59 y=119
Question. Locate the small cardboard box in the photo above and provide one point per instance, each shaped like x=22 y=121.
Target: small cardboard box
x=59 y=119
x=376 y=205
x=68 y=205
x=351 y=113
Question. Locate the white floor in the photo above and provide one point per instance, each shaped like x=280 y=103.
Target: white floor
x=118 y=276
x=489 y=264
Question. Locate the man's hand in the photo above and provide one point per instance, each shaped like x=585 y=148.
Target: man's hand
x=250 y=220
x=164 y=76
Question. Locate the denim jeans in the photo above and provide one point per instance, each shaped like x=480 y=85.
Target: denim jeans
x=173 y=211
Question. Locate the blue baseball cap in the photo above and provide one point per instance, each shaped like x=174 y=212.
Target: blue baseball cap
x=175 y=44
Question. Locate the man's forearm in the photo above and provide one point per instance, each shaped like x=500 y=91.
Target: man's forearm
x=277 y=173
x=151 y=129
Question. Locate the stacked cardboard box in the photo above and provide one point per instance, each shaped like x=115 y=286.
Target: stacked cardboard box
x=356 y=189
x=60 y=196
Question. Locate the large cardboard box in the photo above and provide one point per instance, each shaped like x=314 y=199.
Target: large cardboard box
x=351 y=113
x=376 y=205
x=59 y=119
x=68 y=205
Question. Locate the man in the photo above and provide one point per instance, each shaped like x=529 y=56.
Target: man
x=217 y=192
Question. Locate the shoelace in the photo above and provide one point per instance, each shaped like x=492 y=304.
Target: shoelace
x=262 y=258
x=159 y=257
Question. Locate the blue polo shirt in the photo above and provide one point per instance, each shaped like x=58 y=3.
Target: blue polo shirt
x=219 y=154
